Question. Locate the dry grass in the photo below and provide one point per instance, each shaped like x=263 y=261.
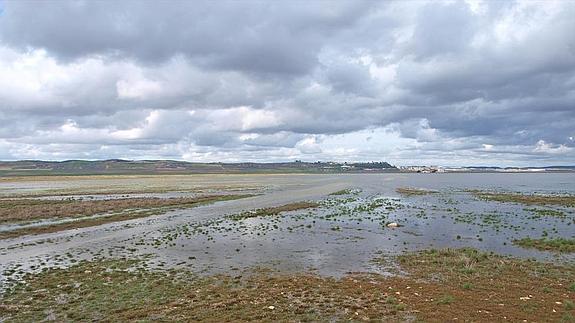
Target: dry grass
x=24 y=210
x=135 y=211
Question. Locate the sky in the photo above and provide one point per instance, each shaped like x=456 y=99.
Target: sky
x=439 y=83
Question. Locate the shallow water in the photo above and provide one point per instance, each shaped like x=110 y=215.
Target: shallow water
x=341 y=236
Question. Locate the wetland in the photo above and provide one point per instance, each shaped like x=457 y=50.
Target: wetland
x=296 y=247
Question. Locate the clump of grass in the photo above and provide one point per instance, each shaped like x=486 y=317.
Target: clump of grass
x=545 y=244
x=466 y=265
x=273 y=210
x=547 y=212
x=467 y=286
x=410 y=191
x=445 y=300
x=463 y=262
x=529 y=199
x=342 y=192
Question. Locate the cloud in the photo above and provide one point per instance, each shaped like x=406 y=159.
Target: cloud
x=451 y=82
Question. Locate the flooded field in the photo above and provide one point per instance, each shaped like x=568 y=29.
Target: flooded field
x=326 y=225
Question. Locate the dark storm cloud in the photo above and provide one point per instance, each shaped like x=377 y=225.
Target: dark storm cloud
x=458 y=81
x=260 y=37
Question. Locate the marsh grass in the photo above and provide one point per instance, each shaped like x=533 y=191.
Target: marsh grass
x=120 y=290
x=90 y=291
x=25 y=210
x=410 y=191
x=121 y=212
x=528 y=199
x=548 y=244
x=547 y=212
x=342 y=192
x=271 y=211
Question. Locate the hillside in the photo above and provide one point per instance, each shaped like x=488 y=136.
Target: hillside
x=118 y=166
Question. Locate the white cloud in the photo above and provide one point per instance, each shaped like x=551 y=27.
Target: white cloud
x=138 y=89
x=454 y=82
x=548 y=148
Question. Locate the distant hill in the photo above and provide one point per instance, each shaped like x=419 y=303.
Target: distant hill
x=119 y=166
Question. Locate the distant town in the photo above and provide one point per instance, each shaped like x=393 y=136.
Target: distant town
x=441 y=169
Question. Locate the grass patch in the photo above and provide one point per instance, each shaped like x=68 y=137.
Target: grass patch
x=271 y=211
x=409 y=191
x=467 y=286
x=494 y=286
x=465 y=265
x=342 y=192
x=556 y=244
x=145 y=210
x=502 y=288
x=562 y=200
x=547 y=212
x=25 y=210
x=89 y=292
x=445 y=300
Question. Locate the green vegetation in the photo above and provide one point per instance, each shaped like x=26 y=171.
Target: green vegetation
x=409 y=191
x=547 y=212
x=342 y=192
x=467 y=286
x=466 y=264
x=89 y=292
x=445 y=300
x=431 y=291
x=556 y=244
x=494 y=286
x=562 y=200
x=273 y=210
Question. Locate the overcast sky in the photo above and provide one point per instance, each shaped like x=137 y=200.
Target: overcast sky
x=453 y=83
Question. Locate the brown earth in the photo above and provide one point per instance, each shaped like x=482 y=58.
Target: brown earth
x=120 y=210
x=21 y=210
